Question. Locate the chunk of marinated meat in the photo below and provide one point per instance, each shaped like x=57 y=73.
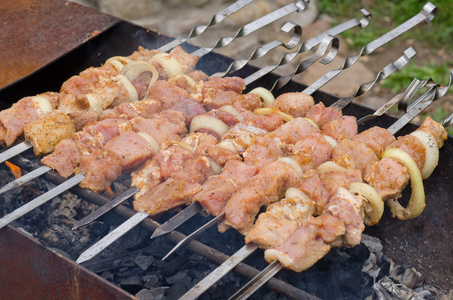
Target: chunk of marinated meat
x=167 y=161
x=201 y=142
x=164 y=126
x=248 y=102
x=166 y=93
x=377 y=138
x=312 y=185
x=47 y=131
x=177 y=190
x=311 y=151
x=143 y=54
x=263 y=151
x=95 y=136
x=23 y=112
x=280 y=221
x=83 y=83
x=343 y=128
x=100 y=169
x=218 y=92
x=221 y=155
x=242 y=136
x=130 y=110
x=186 y=60
x=412 y=146
x=305 y=246
x=340 y=224
x=223 y=116
x=131 y=149
x=82 y=118
x=349 y=209
x=217 y=190
x=322 y=115
x=233 y=84
x=333 y=180
x=292 y=131
x=435 y=129
x=189 y=108
x=198 y=75
x=294 y=104
x=266 y=187
x=353 y=155
x=2 y=135
x=388 y=177
x=266 y=122
x=65 y=158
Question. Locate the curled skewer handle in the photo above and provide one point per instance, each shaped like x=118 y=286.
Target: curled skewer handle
x=426 y=15
x=309 y=44
x=255 y=25
x=323 y=48
x=217 y=18
x=263 y=50
x=447 y=121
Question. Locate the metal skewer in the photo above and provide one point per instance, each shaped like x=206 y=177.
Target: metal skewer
x=216 y=19
x=24 y=179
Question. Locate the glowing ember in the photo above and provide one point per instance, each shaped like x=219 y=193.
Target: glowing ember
x=14 y=169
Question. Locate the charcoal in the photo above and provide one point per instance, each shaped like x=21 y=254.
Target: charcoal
x=159 y=247
x=170 y=267
x=143 y=261
x=384 y=271
x=154 y=294
x=132 y=284
x=151 y=280
x=178 y=276
x=107 y=275
x=179 y=288
x=99 y=228
x=134 y=237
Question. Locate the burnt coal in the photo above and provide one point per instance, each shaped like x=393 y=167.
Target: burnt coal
x=143 y=262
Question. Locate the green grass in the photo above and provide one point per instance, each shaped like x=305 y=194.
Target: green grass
x=389 y=14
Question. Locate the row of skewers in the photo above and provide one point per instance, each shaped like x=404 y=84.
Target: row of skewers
x=233 y=137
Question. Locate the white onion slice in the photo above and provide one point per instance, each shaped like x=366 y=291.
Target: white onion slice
x=265 y=111
x=374 y=206
x=330 y=166
x=215 y=166
x=265 y=95
x=417 y=200
x=228 y=145
x=209 y=123
x=189 y=79
x=293 y=192
x=431 y=152
x=229 y=109
x=169 y=63
x=330 y=140
x=118 y=62
x=186 y=146
x=95 y=103
x=136 y=68
x=131 y=90
x=312 y=122
x=42 y=104
x=150 y=141
x=293 y=163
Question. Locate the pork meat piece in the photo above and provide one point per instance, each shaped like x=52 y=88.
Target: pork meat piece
x=353 y=155
x=343 y=128
x=166 y=93
x=311 y=151
x=377 y=138
x=65 y=158
x=47 y=131
x=131 y=149
x=266 y=122
x=435 y=129
x=189 y=108
x=388 y=177
x=23 y=112
x=83 y=83
x=186 y=60
x=312 y=185
x=280 y=221
x=322 y=115
x=412 y=146
x=263 y=151
x=100 y=169
x=95 y=136
x=130 y=110
x=242 y=136
x=248 y=102
x=294 y=104
x=292 y=131
x=333 y=180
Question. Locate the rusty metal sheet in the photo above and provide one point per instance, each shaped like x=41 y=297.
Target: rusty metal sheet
x=36 y=32
x=31 y=271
